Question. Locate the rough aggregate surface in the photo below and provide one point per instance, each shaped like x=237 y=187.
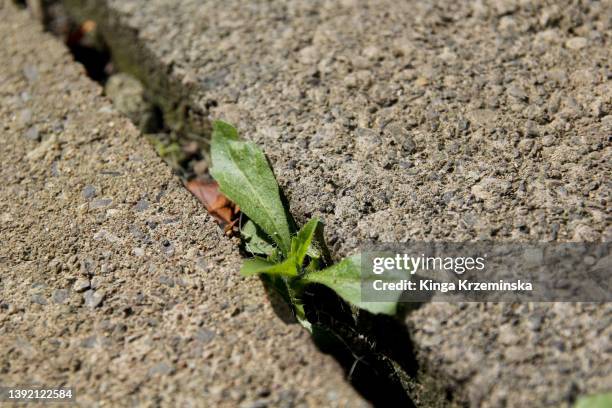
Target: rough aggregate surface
x=113 y=280
x=399 y=121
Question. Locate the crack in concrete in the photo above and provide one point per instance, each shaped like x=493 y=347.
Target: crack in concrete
x=381 y=367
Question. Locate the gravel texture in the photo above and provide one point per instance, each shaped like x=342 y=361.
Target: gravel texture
x=398 y=121
x=113 y=279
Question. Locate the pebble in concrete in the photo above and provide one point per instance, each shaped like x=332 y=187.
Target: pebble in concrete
x=81 y=285
x=93 y=298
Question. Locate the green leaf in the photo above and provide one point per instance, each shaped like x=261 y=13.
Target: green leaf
x=258 y=265
x=314 y=265
x=595 y=401
x=256 y=242
x=294 y=290
x=244 y=176
x=345 y=279
x=300 y=244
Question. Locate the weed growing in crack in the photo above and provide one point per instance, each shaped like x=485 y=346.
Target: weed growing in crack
x=289 y=260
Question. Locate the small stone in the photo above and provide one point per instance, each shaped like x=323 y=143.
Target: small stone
x=162 y=369
x=93 y=299
x=576 y=43
x=81 y=285
x=88 y=192
x=95 y=282
x=38 y=299
x=32 y=134
x=55 y=265
x=508 y=335
x=127 y=94
x=447 y=197
x=548 y=140
x=517 y=92
x=43 y=148
x=87 y=266
x=308 y=55
x=167 y=247
x=550 y=15
x=482 y=117
x=166 y=280
x=550 y=36
x=25 y=117
x=351 y=80
x=54 y=169
x=534 y=322
x=141 y=205
x=101 y=203
x=371 y=52
x=531 y=129
x=526 y=145
x=345 y=207
x=60 y=295
x=89 y=342
x=203 y=264
x=597 y=108
x=401 y=137
x=447 y=56
x=139 y=252
x=507 y=24
x=205 y=335
x=405 y=164
x=138 y=234
x=463 y=124
x=366 y=140
x=30 y=72
x=421 y=82
x=489 y=188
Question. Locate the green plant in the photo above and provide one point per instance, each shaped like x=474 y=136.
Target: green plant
x=289 y=260
x=595 y=401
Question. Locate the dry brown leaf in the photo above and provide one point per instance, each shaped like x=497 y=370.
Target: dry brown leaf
x=222 y=209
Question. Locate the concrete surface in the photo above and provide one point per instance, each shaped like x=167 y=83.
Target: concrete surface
x=397 y=121
x=113 y=279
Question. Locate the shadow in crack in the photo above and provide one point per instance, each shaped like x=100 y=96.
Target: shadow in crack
x=374 y=350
